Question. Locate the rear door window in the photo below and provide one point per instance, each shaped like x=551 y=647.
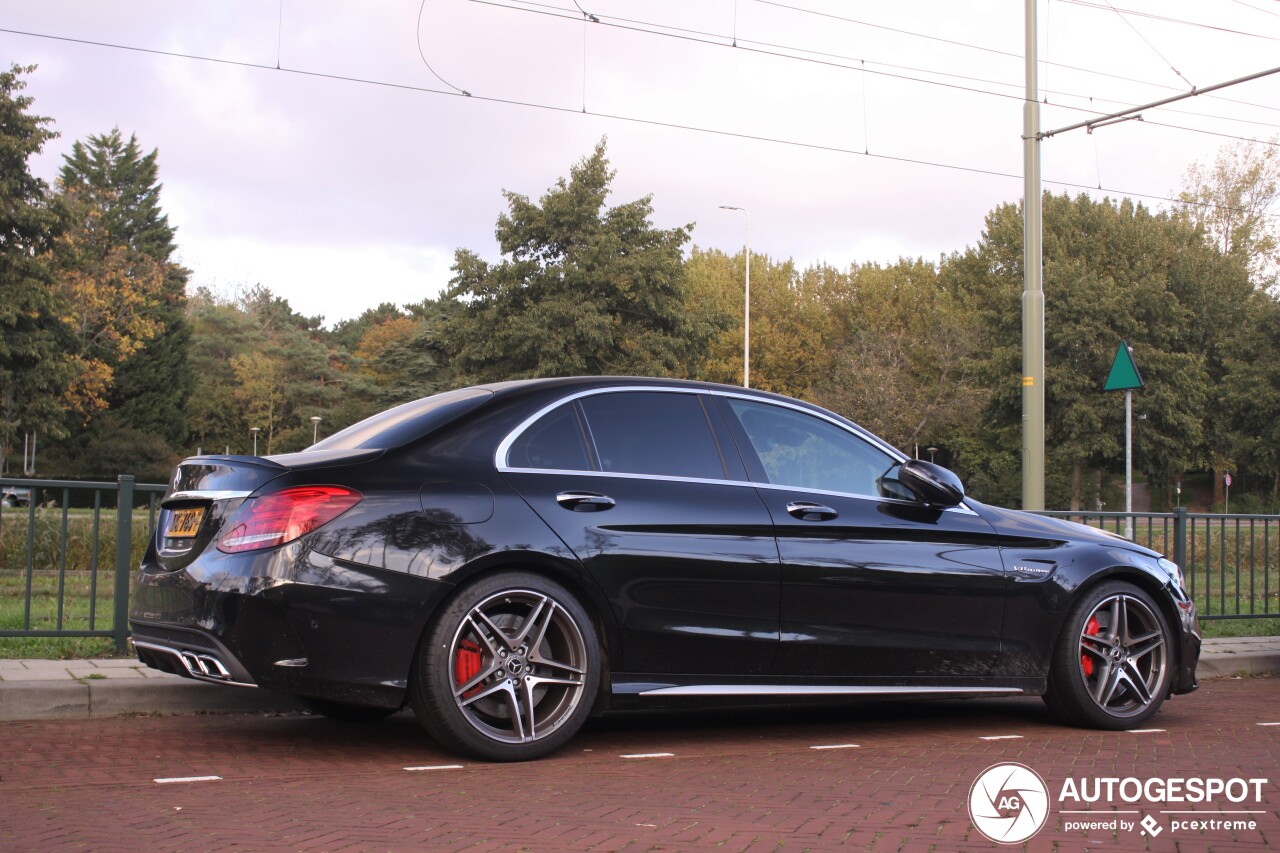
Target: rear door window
x=653 y=432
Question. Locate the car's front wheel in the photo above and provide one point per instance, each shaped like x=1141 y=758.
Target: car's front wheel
x=1114 y=659
x=509 y=669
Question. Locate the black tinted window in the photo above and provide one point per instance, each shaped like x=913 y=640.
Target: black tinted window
x=553 y=442
x=405 y=423
x=650 y=432
x=808 y=452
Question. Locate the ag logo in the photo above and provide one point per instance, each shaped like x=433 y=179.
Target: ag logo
x=1008 y=803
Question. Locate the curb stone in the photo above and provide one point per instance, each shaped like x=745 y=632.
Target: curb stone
x=66 y=690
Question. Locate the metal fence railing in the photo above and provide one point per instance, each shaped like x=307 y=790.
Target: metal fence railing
x=1231 y=562
x=67 y=553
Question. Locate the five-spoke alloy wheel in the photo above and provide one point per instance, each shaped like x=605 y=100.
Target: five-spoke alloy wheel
x=1114 y=659
x=510 y=669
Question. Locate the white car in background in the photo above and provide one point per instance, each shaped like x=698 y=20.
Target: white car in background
x=15 y=496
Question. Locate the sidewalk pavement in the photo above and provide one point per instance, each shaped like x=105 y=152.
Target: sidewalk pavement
x=79 y=689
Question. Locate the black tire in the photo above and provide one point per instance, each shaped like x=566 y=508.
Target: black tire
x=1114 y=660
x=344 y=712
x=509 y=669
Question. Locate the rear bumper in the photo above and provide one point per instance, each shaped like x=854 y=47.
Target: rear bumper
x=289 y=620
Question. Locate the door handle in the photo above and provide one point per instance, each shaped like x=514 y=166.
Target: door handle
x=585 y=501
x=808 y=511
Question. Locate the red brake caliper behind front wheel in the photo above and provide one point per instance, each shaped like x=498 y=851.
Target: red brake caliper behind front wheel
x=466 y=665
x=1091 y=628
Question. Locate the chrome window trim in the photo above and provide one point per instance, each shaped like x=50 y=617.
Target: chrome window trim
x=504 y=447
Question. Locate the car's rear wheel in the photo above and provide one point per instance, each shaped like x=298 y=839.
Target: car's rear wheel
x=343 y=711
x=509 y=669
x=1114 y=659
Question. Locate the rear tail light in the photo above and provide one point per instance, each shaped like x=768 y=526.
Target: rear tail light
x=281 y=517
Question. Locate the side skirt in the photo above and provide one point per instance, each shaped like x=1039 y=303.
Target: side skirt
x=819 y=690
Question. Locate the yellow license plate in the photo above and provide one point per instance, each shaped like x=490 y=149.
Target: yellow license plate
x=184 y=523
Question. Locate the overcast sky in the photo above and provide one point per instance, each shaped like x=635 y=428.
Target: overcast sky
x=339 y=194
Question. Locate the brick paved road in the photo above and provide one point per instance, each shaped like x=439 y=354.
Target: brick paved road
x=734 y=782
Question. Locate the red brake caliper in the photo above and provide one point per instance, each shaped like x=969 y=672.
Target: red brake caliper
x=466 y=665
x=1091 y=628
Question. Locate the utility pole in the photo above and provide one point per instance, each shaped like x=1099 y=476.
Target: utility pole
x=1032 y=284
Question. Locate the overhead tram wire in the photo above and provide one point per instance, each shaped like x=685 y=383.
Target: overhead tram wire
x=720 y=40
x=417 y=32
x=1255 y=8
x=1148 y=43
x=1267 y=142
x=406 y=87
x=690 y=38
x=1015 y=85
x=683 y=34
x=1018 y=85
x=1164 y=18
x=995 y=51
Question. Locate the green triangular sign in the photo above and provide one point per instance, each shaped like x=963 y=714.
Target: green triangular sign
x=1124 y=374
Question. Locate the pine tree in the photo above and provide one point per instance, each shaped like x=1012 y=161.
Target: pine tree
x=32 y=371
x=111 y=180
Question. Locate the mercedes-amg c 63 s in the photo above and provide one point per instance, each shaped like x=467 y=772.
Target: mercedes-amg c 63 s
x=511 y=558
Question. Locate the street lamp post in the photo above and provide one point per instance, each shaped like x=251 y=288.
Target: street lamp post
x=255 y=431
x=315 y=426
x=746 y=313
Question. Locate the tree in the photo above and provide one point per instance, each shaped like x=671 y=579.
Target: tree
x=1113 y=271
x=261 y=364
x=33 y=372
x=403 y=358
x=348 y=333
x=790 y=326
x=903 y=359
x=111 y=294
x=1231 y=202
x=397 y=350
x=582 y=289
x=112 y=193
x=1249 y=397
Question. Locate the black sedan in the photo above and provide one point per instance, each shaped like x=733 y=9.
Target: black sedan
x=512 y=558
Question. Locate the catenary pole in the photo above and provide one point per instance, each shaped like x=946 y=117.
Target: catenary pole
x=1032 y=285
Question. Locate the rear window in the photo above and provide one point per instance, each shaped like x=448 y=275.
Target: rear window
x=405 y=423
x=554 y=443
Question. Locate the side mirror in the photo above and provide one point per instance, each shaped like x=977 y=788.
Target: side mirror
x=931 y=484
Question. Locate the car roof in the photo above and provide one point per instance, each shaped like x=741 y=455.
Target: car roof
x=518 y=387
x=403 y=425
